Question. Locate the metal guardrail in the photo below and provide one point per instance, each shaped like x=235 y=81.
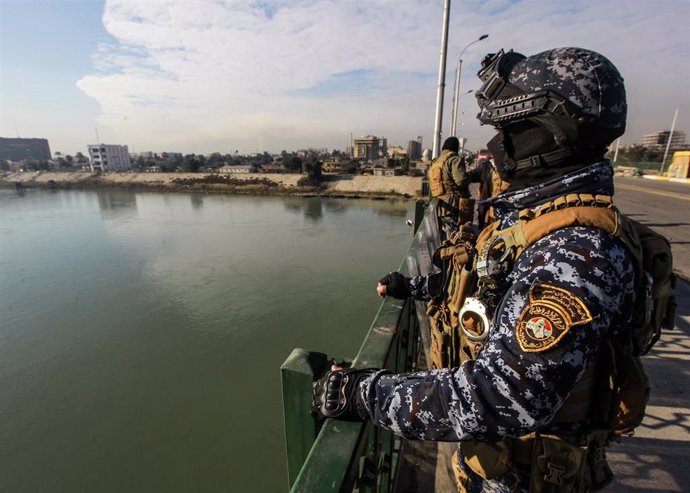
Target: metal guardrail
x=337 y=456
x=641 y=165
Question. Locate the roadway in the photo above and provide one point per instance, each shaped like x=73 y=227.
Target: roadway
x=663 y=206
x=656 y=458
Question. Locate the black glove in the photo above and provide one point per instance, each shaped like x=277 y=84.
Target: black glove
x=397 y=285
x=336 y=395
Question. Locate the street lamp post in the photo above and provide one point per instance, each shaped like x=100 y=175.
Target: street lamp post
x=668 y=142
x=456 y=91
x=441 y=81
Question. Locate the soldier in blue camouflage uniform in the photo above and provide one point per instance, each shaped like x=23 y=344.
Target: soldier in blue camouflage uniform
x=556 y=113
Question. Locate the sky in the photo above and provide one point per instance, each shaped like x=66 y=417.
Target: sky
x=202 y=76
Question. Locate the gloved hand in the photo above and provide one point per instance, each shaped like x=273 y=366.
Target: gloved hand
x=336 y=395
x=397 y=285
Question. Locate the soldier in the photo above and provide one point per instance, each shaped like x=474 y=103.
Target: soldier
x=520 y=395
x=448 y=184
x=490 y=184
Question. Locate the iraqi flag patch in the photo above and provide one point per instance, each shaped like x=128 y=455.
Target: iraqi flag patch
x=548 y=316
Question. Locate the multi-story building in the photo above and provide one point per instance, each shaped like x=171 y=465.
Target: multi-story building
x=369 y=147
x=337 y=164
x=657 y=140
x=414 y=149
x=24 y=149
x=109 y=157
x=396 y=152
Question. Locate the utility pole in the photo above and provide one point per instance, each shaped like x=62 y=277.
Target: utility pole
x=668 y=142
x=441 y=80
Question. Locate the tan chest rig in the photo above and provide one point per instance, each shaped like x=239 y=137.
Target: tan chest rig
x=439 y=182
x=460 y=326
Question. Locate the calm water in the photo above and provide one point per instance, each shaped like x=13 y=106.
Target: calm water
x=141 y=334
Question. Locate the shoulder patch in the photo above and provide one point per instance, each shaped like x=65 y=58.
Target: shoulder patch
x=548 y=316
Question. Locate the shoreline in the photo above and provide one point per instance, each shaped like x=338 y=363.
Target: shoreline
x=334 y=186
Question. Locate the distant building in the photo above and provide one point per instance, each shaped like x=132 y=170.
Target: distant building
x=24 y=149
x=396 y=152
x=414 y=149
x=657 y=140
x=386 y=172
x=239 y=168
x=109 y=157
x=337 y=164
x=273 y=168
x=370 y=147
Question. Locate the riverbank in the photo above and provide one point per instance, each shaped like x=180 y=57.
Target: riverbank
x=250 y=183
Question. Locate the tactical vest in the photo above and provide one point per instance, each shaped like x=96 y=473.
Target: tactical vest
x=439 y=182
x=498 y=184
x=460 y=325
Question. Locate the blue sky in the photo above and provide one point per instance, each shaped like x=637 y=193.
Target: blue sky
x=45 y=47
x=220 y=75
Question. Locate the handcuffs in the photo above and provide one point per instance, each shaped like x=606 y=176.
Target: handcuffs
x=493 y=263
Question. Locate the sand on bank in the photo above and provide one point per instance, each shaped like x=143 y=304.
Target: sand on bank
x=287 y=183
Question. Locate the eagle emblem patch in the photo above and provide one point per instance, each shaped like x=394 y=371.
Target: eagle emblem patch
x=548 y=316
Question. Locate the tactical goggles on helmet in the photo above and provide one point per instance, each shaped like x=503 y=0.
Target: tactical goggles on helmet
x=502 y=103
x=494 y=74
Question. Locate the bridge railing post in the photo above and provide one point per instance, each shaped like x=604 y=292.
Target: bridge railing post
x=297 y=374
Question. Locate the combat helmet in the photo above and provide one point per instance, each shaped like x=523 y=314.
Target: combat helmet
x=577 y=95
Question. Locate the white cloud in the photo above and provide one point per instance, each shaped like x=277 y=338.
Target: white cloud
x=219 y=75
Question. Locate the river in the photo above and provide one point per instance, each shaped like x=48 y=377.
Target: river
x=141 y=334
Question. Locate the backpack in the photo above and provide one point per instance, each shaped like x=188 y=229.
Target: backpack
x=654 y=263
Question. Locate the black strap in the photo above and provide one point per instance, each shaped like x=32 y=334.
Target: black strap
x=540 y=160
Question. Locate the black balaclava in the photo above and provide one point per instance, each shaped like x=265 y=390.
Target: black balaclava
x=452 y=144
x=524 y=139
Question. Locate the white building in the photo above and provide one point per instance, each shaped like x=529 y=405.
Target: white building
x=109 y=157
x=657 y=140
x=237 y=168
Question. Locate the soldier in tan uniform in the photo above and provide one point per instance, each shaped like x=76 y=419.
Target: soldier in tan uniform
x=449 y=184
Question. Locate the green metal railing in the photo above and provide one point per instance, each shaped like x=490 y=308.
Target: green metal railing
x=337 y=456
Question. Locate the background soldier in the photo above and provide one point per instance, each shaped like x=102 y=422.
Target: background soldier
x=448 y=183
x=522 y=401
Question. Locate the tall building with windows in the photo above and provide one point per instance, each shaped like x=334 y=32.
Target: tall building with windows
x=657 y=140
x=414 y=149
x=109 y=157
x=24 y=149
x=369 y=147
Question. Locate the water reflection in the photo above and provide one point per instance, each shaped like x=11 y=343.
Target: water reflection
x=197 y=201
x=335 y=206
x=311 y=208
x=116 y=203
x=394 y=208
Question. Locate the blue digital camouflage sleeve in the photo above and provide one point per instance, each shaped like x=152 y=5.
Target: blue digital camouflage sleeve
x=509 y=391
x=424 y=288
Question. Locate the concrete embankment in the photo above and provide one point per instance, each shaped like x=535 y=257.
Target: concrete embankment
x=259 y=183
